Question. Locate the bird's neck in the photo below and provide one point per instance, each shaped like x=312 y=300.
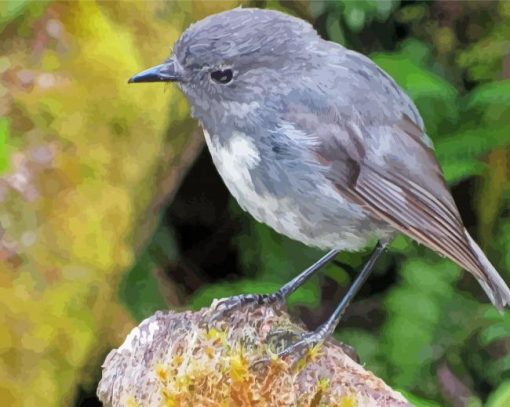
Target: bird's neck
x=233 y=117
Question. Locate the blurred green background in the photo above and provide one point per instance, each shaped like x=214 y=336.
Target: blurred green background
x=111 y=210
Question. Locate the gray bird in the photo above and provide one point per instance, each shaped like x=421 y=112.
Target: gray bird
x=319 y=143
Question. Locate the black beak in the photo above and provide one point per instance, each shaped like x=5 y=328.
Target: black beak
x=167 y=72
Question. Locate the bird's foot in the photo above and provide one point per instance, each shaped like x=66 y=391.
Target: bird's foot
x=305 y=344
x=227 y=305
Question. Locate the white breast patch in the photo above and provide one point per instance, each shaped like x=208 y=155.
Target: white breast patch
x=234 y=160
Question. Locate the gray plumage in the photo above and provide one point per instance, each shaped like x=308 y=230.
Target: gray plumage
x=317 y=141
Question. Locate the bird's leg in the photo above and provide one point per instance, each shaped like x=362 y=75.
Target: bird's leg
x=311 y=339
x=279 y=297
x=285 y=291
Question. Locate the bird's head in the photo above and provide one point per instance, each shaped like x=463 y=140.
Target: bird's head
x=229 y=62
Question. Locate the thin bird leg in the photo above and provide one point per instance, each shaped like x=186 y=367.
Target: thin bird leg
x=279 y=297
x=326 y=329
x=285 y=291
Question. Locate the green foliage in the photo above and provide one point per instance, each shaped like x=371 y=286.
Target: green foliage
x=494 y=95
x=351 y=15
x=501 y=396
x=419 y=401
x=12 y=9
x=140 y=289
x=483 y=59
x=434 y=96
x=21 y=11
x=420 y=310
x=4 y=144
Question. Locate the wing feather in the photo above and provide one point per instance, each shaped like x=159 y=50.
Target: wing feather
x=411 y=212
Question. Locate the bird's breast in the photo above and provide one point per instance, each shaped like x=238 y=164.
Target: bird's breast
x=310 y=212
x=235 y=158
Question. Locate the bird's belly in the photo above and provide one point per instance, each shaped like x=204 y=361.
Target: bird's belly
x=313 y=228
x=317 y=218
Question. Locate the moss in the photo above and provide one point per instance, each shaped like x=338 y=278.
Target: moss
x=182 y=360
x=88 y=156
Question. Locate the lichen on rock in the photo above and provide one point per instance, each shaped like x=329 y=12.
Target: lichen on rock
x=179 y=359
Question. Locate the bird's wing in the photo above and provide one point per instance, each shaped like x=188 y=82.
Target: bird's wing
x=405 y=188
x=393 y=174
x=401 y=184
x=378 y=157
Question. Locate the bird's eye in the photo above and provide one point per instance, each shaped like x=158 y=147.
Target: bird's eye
x=222 y=76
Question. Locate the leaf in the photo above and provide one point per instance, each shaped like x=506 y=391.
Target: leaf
x=417 y=51
x=460 y=153
x=501 y=396
x=497 y=92
x=12 y=9
x=435 y=97
x=494 y=332
x=456 y=171
x=334 y=29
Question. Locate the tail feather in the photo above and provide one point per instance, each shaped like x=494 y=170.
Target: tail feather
x=490 y=280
